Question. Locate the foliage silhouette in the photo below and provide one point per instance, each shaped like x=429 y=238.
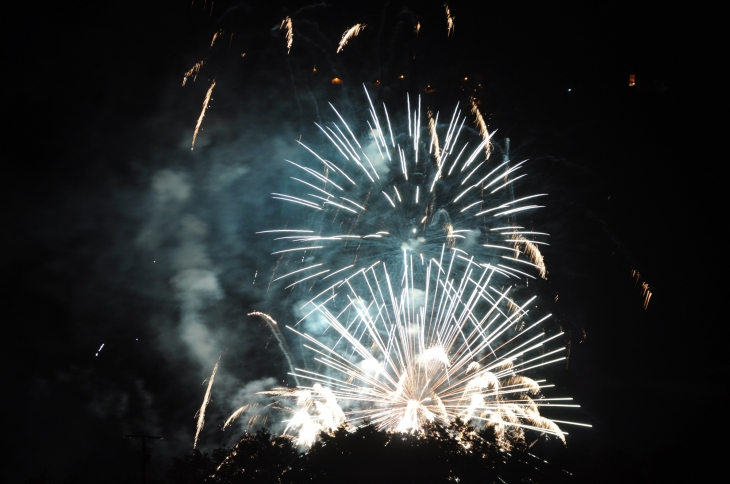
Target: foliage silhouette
x=457 y=453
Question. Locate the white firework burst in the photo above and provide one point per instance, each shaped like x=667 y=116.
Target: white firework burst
x=402 y=184
x=401 y=355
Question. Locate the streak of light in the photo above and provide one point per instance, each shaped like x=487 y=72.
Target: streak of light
x=202 y=114
x=289 y=33
x=482 y=125
x=449 y=22
x=206 y=400
x=193 y=71
x=216 y=35
x=353 y=31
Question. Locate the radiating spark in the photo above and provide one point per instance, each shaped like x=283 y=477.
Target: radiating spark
x=193 y=71
x=449 y=22
x=202 y=114
x=353 y=31
x=206 y=400
x=289 y=33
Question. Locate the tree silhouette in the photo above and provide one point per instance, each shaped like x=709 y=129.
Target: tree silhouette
x=457 y=453
x=259 y=458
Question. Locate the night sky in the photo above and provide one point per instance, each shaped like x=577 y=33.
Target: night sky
x=116 y=233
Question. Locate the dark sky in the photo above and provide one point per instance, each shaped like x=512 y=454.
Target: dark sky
x=106 y=211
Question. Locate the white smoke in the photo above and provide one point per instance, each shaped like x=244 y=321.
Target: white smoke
x=195 y=281
x=379 y=161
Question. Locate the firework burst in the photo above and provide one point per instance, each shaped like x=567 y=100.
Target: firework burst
x=402 y=185
x=402 y=355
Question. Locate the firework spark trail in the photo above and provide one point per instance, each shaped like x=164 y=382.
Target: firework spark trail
x=353 y=31
x=237 y=414
x=449 y=22
x=193 y=71
x=452 y=198
x=202 y=114
x=646 y=293
x=432 y=123
x=534 y=253
x=645 y=288
x=274 y=326
x=289 y=33
x=435 y=352
x=216 y=35
x=482 y=125
x=206 y=400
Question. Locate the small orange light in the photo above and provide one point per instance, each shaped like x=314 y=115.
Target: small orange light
x=401 y=77
x=336 y=81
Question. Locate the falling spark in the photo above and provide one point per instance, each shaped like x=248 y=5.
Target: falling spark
x=645 y=289
x=449 y=22
x=482 y=125
x=534 y=253
x=450 y=239
x=206 y=400
x=237 y=414
x=353 y=31
x=434 y=137
x=646 y=293
x=274 y=326
x=193 y=71
x=215 y=35
x=99 y=350
x=289 y=33
x=202 y=114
